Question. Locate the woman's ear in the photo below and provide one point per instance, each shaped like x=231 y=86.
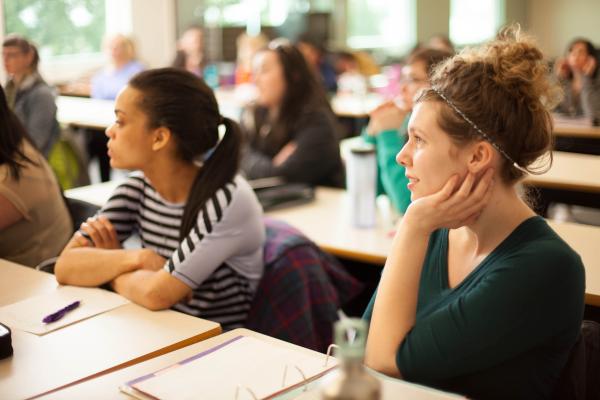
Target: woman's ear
x=481 y=157
x=160 y=138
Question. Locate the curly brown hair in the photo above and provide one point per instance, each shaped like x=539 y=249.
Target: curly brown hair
x=504 y=87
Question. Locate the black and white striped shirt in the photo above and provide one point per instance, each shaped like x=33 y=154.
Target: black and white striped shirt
x=221 y=259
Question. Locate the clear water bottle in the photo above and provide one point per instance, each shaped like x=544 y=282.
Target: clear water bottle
x=353 y=381
x=361 y=183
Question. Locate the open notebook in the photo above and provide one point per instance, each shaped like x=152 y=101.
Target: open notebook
x=244 y=368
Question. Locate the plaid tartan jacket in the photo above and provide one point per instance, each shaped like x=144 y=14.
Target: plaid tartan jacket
x=301 y=290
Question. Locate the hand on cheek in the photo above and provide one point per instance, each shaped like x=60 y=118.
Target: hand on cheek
x=456 y=204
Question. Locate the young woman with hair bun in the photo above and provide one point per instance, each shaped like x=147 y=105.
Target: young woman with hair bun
x=478 y=295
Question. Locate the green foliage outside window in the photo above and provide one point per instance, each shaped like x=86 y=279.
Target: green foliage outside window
x=58 y=27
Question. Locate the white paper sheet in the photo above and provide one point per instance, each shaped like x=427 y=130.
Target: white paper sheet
x=245 y=363
x=27 y=315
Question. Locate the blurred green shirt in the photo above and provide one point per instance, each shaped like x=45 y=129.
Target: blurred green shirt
x=391 y=178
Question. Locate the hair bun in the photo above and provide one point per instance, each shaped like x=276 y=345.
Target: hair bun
x=519 y=67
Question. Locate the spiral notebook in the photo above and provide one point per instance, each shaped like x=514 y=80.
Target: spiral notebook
x=242 y=368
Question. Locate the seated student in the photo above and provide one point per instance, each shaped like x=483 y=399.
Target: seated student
x=199 y=222
x=29 y=96
x=34 y=221
x=105 y=85
x=122 y=65
x=247 y=46
x=442 y=42
x=478 y=295
x=190 y=51
x=291 y=130
x=579 y=77
x=388 y=124
x=315 y=55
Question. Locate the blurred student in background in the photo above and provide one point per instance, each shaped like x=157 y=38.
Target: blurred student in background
x=105 y=85
x=441 y=42
x=247 y=47
x=388 y=124
x=291 y=131
x=122 y=65
x=29 y=96
x=190 y=51
x=579 y=77
x=316 y=57
x=34 y=221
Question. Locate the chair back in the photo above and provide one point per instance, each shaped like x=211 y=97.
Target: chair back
x=80 y=211
x=301 y=290
x=580 y=377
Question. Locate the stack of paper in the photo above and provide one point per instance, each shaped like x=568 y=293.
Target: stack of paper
x=246 y=366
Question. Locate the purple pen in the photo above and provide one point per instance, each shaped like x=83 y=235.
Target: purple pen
x=55 y=316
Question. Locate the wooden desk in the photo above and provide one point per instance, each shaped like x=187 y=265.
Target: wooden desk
x=327 y=222
x=570 y=171
x=82 y=112
x=575 y=128
x=107 y=386
x=97 y=194
x=584 y=239
x=107 y=342
x=336 y=235
x=353 y=106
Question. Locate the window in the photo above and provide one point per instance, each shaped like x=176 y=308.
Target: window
x=475 y=21
x=58 y=27
x=381 y=24
x=241 y=13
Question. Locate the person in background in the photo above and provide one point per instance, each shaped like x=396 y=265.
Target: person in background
x=29 y=96
x=579 y=77
x=34 y=220
x=122 y=65
x=190 y=51
x=247 y=47
x=316 y=57
x=387 y=128
x=440 y=42
x=105 y=85
x=291 y=131
x=199 y=222
x=350 y=79
x=479 y=296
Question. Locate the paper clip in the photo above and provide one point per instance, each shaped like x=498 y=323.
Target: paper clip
x=285 y=369
x=237 y=392
x=329 y=349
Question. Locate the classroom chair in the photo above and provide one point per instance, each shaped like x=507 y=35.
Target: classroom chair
x=79 y=211
x=580 y=378
x=301 y=290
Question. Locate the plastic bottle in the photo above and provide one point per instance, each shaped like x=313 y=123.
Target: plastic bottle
x=353 y=381
x=361 y=182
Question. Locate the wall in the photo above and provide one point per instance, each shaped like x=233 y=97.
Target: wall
x=556 y=22
x=433 y=17
x=153 y=27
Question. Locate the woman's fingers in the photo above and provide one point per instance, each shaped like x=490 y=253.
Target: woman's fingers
x=102 y=233
x=447 y=189
x=110 y=231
